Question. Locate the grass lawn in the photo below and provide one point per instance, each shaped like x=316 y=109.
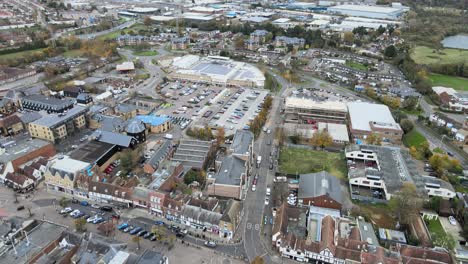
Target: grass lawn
x=356 y=65
x=425 y=55
x=299 y=160
x=114 y=34
x=413 y=138
x=18 y=54
x=457 y=83
x=145 y=53
x=438 y=235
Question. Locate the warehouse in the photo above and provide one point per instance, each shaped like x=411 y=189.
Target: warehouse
x=379 y=12
x=216 y=70
x=367 y=118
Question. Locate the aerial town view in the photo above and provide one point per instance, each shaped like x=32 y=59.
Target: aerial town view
x=233 y=131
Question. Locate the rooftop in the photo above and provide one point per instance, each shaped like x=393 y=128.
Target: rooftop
x=242 y=141
x=92 y=151
x=15 y=149
x=363 y=114
x=68 y=164
x=51 y=120
x=366 y=8
x=317 y=184
x=152 y=119
x=296 y=102
x=114 y=138
x=231 y=171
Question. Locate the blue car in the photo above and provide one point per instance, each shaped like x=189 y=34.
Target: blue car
x=159 y=222
x=122 y=226
x=98 y=220
x=78 y=215
x=84 y=203
x=135 y=231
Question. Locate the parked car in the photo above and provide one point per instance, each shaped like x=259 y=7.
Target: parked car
x=267 y=201
x=19 y=208
x=95 y=206
x=84 y=203
x=128 y=229
x=452 y=220
x=98 y=220
x=92 y=218
x=142 y=233
x=79 y=215
x=148 y=235
x=210 y=244
x=135 y=231
x=153 y=237
x=106 y=208
x=158 y=222
x=66 y=210
x=123 y=226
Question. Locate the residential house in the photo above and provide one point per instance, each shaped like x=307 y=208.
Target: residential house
x=230 y=219
x=18 y=182
x=180 y=43
x=11 y=125
x=164 y=150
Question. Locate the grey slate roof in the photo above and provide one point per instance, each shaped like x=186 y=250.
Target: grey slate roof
x=242 y=141
x=231 y=171
x=317 y=184
x=51 y=120
x=113 y=138
x=150 y=257
x=161 y=153
x=29 y=117
x=201 y=215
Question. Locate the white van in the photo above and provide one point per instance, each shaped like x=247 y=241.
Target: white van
x=168 y=136
x=268 y=191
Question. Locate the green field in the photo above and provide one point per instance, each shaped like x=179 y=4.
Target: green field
x=427 y=56
x=299 y=160
x=114 y=34
x=356 y=65
x=457 y=83
x=18 y=54
x=413 y=138
x=73 y=53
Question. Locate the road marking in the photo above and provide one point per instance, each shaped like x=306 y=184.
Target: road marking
x=249 y=225
x=257 y=226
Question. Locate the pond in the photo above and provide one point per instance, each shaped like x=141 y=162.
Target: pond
x=456 y=42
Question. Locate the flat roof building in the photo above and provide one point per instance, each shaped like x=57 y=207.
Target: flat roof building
x=368 y=118
x=308 y=111
x=381 y=12
x=216 y=70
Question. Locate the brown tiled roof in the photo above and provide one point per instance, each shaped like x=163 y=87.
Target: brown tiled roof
x=28 y=170
x=110 y=189
x=16 y=178
x=412 y=255
x=9 y=121
x=209 y=204
x=355 y=234
x=348 y=254
x=328 y=234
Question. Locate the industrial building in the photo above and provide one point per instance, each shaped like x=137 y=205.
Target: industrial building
x=307 y=111
x=367 y=118
x=380 y=12
x=216 y=70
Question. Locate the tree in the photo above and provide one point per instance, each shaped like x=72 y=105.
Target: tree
x=348 y=37
x=374 y=139
x=159 y=231
x=390 y=51
x=258 y=260
x=406 y=203
x=239 y=42
x=147 y=21
x=407 y=125
x=392 y=102
x=127 y=162
x=136 y=239
x=442 y=164
x=220 y=136
x=321 y=138
x=63 y=202
x=80 y=224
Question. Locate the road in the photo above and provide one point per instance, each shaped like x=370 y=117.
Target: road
x=156 y=74
x=257 y=236
x=100 y=33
